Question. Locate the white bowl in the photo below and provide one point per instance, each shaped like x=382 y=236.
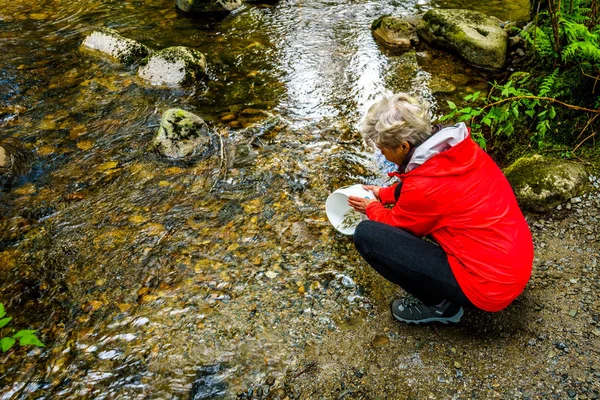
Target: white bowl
x=338 y=210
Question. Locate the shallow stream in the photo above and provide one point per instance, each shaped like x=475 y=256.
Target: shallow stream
x=149 y=279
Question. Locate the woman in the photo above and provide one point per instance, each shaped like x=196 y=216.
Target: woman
x=453 y=192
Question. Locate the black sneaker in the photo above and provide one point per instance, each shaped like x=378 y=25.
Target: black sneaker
x=412 y=310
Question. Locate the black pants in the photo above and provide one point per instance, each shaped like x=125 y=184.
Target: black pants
x=421 y=268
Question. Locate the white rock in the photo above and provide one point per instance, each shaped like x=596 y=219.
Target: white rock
x=271 y=274
x=108 y=41
x=173 y=66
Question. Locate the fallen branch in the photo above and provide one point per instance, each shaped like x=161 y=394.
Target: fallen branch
x=586 y=125
x=580 y=143
x=597 y=111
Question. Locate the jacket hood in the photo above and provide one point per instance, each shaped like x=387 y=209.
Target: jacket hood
x=440 y=142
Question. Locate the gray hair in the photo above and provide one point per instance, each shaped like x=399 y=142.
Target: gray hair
x=396 y=119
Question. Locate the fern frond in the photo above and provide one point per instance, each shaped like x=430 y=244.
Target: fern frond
x=548 y=83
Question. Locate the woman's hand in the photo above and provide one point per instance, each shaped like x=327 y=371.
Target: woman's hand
x=359 y=204
x=374 y=189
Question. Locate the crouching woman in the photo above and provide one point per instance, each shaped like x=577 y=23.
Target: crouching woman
x=451 y=191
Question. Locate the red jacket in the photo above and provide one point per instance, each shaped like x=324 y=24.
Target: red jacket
x=462 y=199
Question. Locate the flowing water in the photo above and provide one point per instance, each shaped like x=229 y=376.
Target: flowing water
x=150 y=279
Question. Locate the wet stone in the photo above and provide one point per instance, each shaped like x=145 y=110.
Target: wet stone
x=183 y=135
x=209 y=383
x=108 y=41
x=270 y=380
x=173 y=66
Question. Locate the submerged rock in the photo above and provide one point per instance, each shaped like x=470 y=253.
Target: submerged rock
x=209 y=383
x=473 y=35
x=173 y=66
x=108 y=41
x=14 y=161
x=541 y=184
x=207 y=6
x=395 y=32
x=183 y=135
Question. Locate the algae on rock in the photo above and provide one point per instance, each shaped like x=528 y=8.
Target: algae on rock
x=473 y=35
x=541 y=183
x=173 y=66
x=108 y=41
x=208 y=6
x=395 y=32
x=183 y=135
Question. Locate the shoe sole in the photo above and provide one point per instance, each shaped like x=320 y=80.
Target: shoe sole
x=454 y=319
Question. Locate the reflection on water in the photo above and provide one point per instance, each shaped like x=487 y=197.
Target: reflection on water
x=153 y=279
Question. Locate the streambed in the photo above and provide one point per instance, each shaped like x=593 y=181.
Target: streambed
x=145 y=278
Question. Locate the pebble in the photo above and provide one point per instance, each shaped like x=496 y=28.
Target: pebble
x=348 y=282
x=380 y=340
x=271 y=274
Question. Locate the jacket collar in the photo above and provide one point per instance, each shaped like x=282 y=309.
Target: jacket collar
x=440 y=141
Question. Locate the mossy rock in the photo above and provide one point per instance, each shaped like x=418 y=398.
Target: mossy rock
x=208 y=6
x=173 y=66
x=473 y=35
x=108 y=41
x=183 y=136
x=395 y=32
x=541 y=184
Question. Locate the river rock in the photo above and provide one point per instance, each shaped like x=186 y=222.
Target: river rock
x=208 y=6
x=173 y=66
x=541 y=184
x=477 y=38
x=108 y=41
x=395 y=32
x=14 y=161
x=183 y=135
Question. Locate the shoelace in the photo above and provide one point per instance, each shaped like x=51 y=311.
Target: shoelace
x=410 y=300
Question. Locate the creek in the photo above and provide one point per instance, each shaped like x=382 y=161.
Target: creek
x=150 y=279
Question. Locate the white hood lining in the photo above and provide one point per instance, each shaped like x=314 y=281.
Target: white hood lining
x=437 y=143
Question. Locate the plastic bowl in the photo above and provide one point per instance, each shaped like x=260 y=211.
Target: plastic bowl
x=337 y=208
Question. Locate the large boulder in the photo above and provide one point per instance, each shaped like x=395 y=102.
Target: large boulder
x=183 y=136
x=395 y=32
x=208 y=6
x=109 y=42
x=541 y=184
x=473 y=35
x=173 y=66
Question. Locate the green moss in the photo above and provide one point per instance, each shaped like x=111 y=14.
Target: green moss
x=377 y=23
x=542 y=183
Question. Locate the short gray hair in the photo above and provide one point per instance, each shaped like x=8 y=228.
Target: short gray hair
x=396 y=119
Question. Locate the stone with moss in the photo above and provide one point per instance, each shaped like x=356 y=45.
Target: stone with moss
x=208 y=6
x=183 y=136
x=395 y=32
x=439 y=85
x=173 y=66
x=108 y=41
x=473 y=35
x=541 y=183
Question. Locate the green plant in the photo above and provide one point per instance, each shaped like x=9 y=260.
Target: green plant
x=25 y=336
x=564 y=57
